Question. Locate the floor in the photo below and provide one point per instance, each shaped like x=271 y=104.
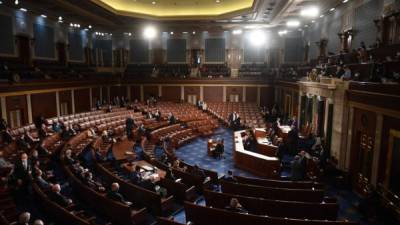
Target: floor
x=196 y=153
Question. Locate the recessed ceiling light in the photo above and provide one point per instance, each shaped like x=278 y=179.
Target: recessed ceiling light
x=310 y=12
x=149 y=32
x=16 y=2
x=217 y=1
x=194 y=32
x=44 y=16
x=321 y=16
x=312 y=21
x=332 y=9
x=60 y=18
x=23 y=10
x=171 y=33
x=282 y=32
x=153 y=2
x=90 y=26
x=184 y=32
x=293 y=23
x=237 y=32
x=344 y=1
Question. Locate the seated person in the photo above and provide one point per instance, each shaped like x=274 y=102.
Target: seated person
x=3 y=162
x=56 y=127
x=196 y=171
x=235 y=206
x=148 y=183
x=42 y=182
x=7 y=136
x=23 y=218
x=136 y=176
x=57 y=197
x=229 y=177
x=89 y=181
x=116 y=196
x=170 y=175
x=22 y=144
x=219 y=149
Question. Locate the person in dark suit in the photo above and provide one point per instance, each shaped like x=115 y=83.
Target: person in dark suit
x=23 y=218
x=297 y=169
x=171 y=119
x=90 y=182
x=57 y=197
x=23 y=169
x=116 y=196
x=7 y=136
x=196 y=171
x=136 y=176
x=235 y=206
x=229 y=177
x=219 y=149
x=130 y=123
x=170 y=175
x=3 y=124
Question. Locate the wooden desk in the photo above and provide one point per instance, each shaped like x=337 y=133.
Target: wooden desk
x=263 y=145
x=147 y=167
x=261 y=165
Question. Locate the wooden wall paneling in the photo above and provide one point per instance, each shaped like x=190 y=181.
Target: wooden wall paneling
x=95 y=95
x=44 y=104
x=150 y=91
x=135 y=92
x=17 y=102
x=82 y=100
x=171 y=93
x=251 y=94
x=105 y=94
x=267 y=96
x=213 y=93
x=117 y=91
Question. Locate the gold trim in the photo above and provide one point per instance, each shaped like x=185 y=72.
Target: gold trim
x=386 y=112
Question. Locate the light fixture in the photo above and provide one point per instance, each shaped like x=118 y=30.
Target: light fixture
x=310 y=12
x=44 y=16
x=16 y=2
x=257 y=37
x=344 y=1
x=171 y=33
x=312 y=21
x=293 y=23
x=60 y=18
x=332 y=9
x=90 y=26
x=194 y=32
x=23 y=10
x=217 y=1
x=322 y=15
x=153 y=2
x=1 y=2
x=184 y=32
x=71 y=24
x=237 y=32
x=130 y=34
x=149 y=32
x=282 y=32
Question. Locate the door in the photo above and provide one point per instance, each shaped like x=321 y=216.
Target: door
x=15 y=118
x=364 y=162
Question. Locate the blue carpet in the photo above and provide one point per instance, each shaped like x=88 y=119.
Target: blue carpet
x=195 y=152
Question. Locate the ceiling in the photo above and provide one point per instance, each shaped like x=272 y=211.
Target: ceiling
x=175 y=14
x=178 y=9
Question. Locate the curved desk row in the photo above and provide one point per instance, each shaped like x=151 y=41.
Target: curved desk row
x=258 y=164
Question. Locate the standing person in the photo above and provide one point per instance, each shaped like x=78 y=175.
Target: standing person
x=129 y=126
x=297 y=169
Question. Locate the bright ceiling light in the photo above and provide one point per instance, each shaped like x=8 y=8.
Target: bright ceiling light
x=332 y=9
x=44 y=16
x=153 y=2
x=217 y=1
x=16 y=2
x=293 y=23
x=194 y=32
x=257 y=37
x=310 y=12
x=322 y=15
x=282 y=32
x=149 y=32
x=23 y=10
x=1 y=2
x=171 y=33
x=344 y=1
x=90 y=26
x=237 y=32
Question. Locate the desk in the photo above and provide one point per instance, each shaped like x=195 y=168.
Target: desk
x=211 y=144
x=147 y=167
x=264 y=146
x=283 y=132
x=261 y=165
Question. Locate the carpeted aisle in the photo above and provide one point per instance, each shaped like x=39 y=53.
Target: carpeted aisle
x=195 y=152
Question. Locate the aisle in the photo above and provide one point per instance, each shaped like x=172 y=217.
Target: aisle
x=195 y=152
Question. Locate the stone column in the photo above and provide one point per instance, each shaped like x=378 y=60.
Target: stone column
x=201 y=93
x=73 y=100
x=244 y=94
x=159 y=91
x=3 y=107
x=224 y=93
x=58 y=103
x=29 y=105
